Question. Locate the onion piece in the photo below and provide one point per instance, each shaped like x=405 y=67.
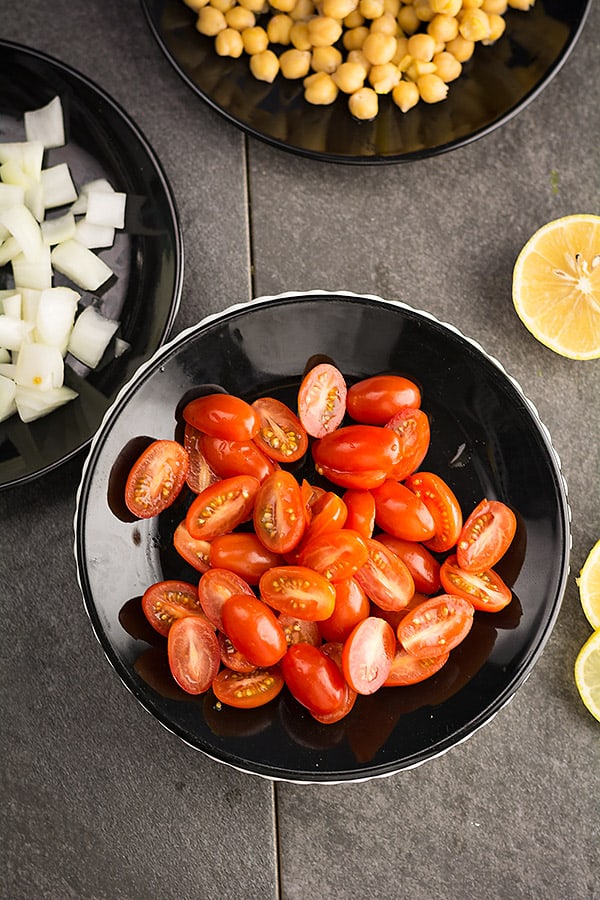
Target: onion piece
x=34 y=201
x=13 y=332
x=9 y=250
x=39 y=366
x=12 y=173
x=58 y=186
x=33 y=404
x=56 y=312
x=30 y=301
x=7 y=369
x=12 y=305
x=81 y=265
x=98 y=185
x=54 y=231
x=36 y=274
x=106 y=208
x=94 y=237
x=90 y=336
x=25 y=229
x=7 y=397
x=11 y=195
x=46 y=124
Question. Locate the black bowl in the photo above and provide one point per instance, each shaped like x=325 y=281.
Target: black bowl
x=487 y=440
x=147 y=256
x=495 y=84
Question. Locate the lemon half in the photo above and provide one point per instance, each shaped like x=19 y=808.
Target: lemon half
x=589 y=586
x=556 y=286
x=587 y=674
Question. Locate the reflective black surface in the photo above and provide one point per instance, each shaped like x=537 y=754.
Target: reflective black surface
x=147 y=256
x=486 y=441
x=495 y=84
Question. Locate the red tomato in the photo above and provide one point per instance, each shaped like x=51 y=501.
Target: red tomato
x=334 y=650
x=166 y=601
x=298 y=591
x=244 y=554
x=436 y=626
x=281 y=435
x=299 y=631
x=376 y=399
x=485 y=590
x=395 y=616
x=361 y=511
x=200 y=475
x=408 y=669
x=368 y=654
x=231 y=657
x=351 y=607
x=412 y=427
x=384 y=578
x=193 y=551
x=194 y=656
x=443 y=506
x=156 y=478
x=253 y=629
x=248 y=690
x=279 y=512
x=322 y=400
x=313 y=679
x=486 y=536
x=229 y=458
x=329 y=513
x=336 y=554
x=222 y=506
x=400 y=512
x=215 y=587
x=223 y=415
x=356 y=456
x=422 y=565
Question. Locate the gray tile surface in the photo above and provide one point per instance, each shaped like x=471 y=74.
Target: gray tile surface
x=98 y=800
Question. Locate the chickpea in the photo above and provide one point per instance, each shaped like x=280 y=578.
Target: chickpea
x=385 y=24
x=349 y=77
x=255 y=6
x=239 y=18
x=384 y=78
x=474 y=25
x=357 y=56
x=417 y=68
x=364 y=104
x=354 y=38
x=371 y=9
x=423 y=10
x=264 y=65
x=405 y=95
x=421 y=46
x=284 y=6
x=255 y=39
x=461 y=48
x=495 y=7
x=320 y=89
x=443 y=28
x=303 y=10
x=338 y=9
x=431 y=88
x=446 y=66
x=392 y=7
x=497 y=28
x=447 y=7
x=401 y=50
x=195 y=4
x=223 y=5
x=210 y=21
x=279 y=29
x=229 y=43
x=408 y=20
x=295 y=63
x=323 y=31
x=325 y=59
x=299 y=36
x=379 y=48
x=524 y=5
x=354 y=19
x=472 y=4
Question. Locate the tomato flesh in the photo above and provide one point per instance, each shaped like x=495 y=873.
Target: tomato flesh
x=193 y=551
x=299 y=631
x=248 y=690
x=376 y=399
x=384 y=578
x=443 y=506
x=164 y=602
x=436 y=626
x=486 y=536
x=224 y=416
x=156 y=478
x=336 y=554
x=299 y=591
x=414 y=434
x=485 y=590
x=279 y=512
x=368 y=654
x=322 y=400
x=194 y=655
x=281 y=435
x=222 y=506
x=215 y=587
x=408 y=669
x=313 y=679
x=231 y=657
x=253 y=629
x=200 y=475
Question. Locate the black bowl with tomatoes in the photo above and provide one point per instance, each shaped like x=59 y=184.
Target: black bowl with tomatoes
x=486 y=454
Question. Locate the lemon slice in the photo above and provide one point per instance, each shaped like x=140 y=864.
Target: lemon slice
x=589 y=586
x=556 y=286
x=587 y=674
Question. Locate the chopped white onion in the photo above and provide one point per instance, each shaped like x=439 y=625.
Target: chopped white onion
x=34 y=201
x=40 y=367
x=106 y=208
x=121 y=347
x=13 y=332
x=33 y=404
x=46 y=124
x=54 y=231
x=95 y=237
x=90 y=336
x=25 y=229
x=12 y=173
x=81 y=265
x=12 y=305
x=7 y=369
x=4 y=356
x=56 y=312
x=9 y=250
x=30 y=298
x=11 y=195
x=58 y=186
x=7 y=397
x=99 y=185
x=37 y=274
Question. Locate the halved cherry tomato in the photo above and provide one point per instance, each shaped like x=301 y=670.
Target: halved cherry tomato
x=335 y=554
x=223 y=415
x=279 y=512
x=436 y=626
x=313 y=679
x=351 y=607
x=486 y=536
x=485 y=590
x=166 y=601
x=368 y=653
x=334 y=650
x=156 y=478
x=281 y=435
x=194 y=656
x=395 y=616
x=361 y=511
x=231 y=657
x=363 y=480
x=376 y=399
x=400 y=512
x=253 y=629
x=248 y=690
x=215 y=587
x=409 y=669
x=443 y=506
x=322 y=400
x=222 y=506
x=299 y=631
x=229 y=458
x=384 y=578
x=412 y=427
x=422 y=565
x=329 y=512
x=200 y=475
x=193 y=551
x=244 y=554
x=356 y=450
x=298 y=591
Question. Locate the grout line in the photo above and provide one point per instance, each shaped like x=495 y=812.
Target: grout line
x=249 y=216
x=278 y=878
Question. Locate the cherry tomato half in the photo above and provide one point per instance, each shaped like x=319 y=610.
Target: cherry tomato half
x=229 y=458
x=408 y=669
x=384 y=578
x=156 y=478
x=400 y=512
x=357 y=456
x=485 y=590
x=322 y=400
x=244 y=554
x=299 y=631
x=412 y=427
x=223 y=415
x=329 y=512
x=486 y=536
x=166 y=601
x=443 y=506
x=422 y=565
x=231 y=657
x=376 y=399
x=299 y=591
x=361 y=511
x=253 y=629
x=200 y=475
x=334 y=650
x=313 y=679
x=278 y=515
x=368 y=653
x=335 y=554
x=193 y=551
x=351 y=607
x=222 y=506
x=436 y=626
x=248 y=690
x=194 y=655
x=215 y=587
x=281 y=435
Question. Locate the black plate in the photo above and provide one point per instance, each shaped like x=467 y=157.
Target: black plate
x=495 y=84
x=147 y=256
x=487 y=440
